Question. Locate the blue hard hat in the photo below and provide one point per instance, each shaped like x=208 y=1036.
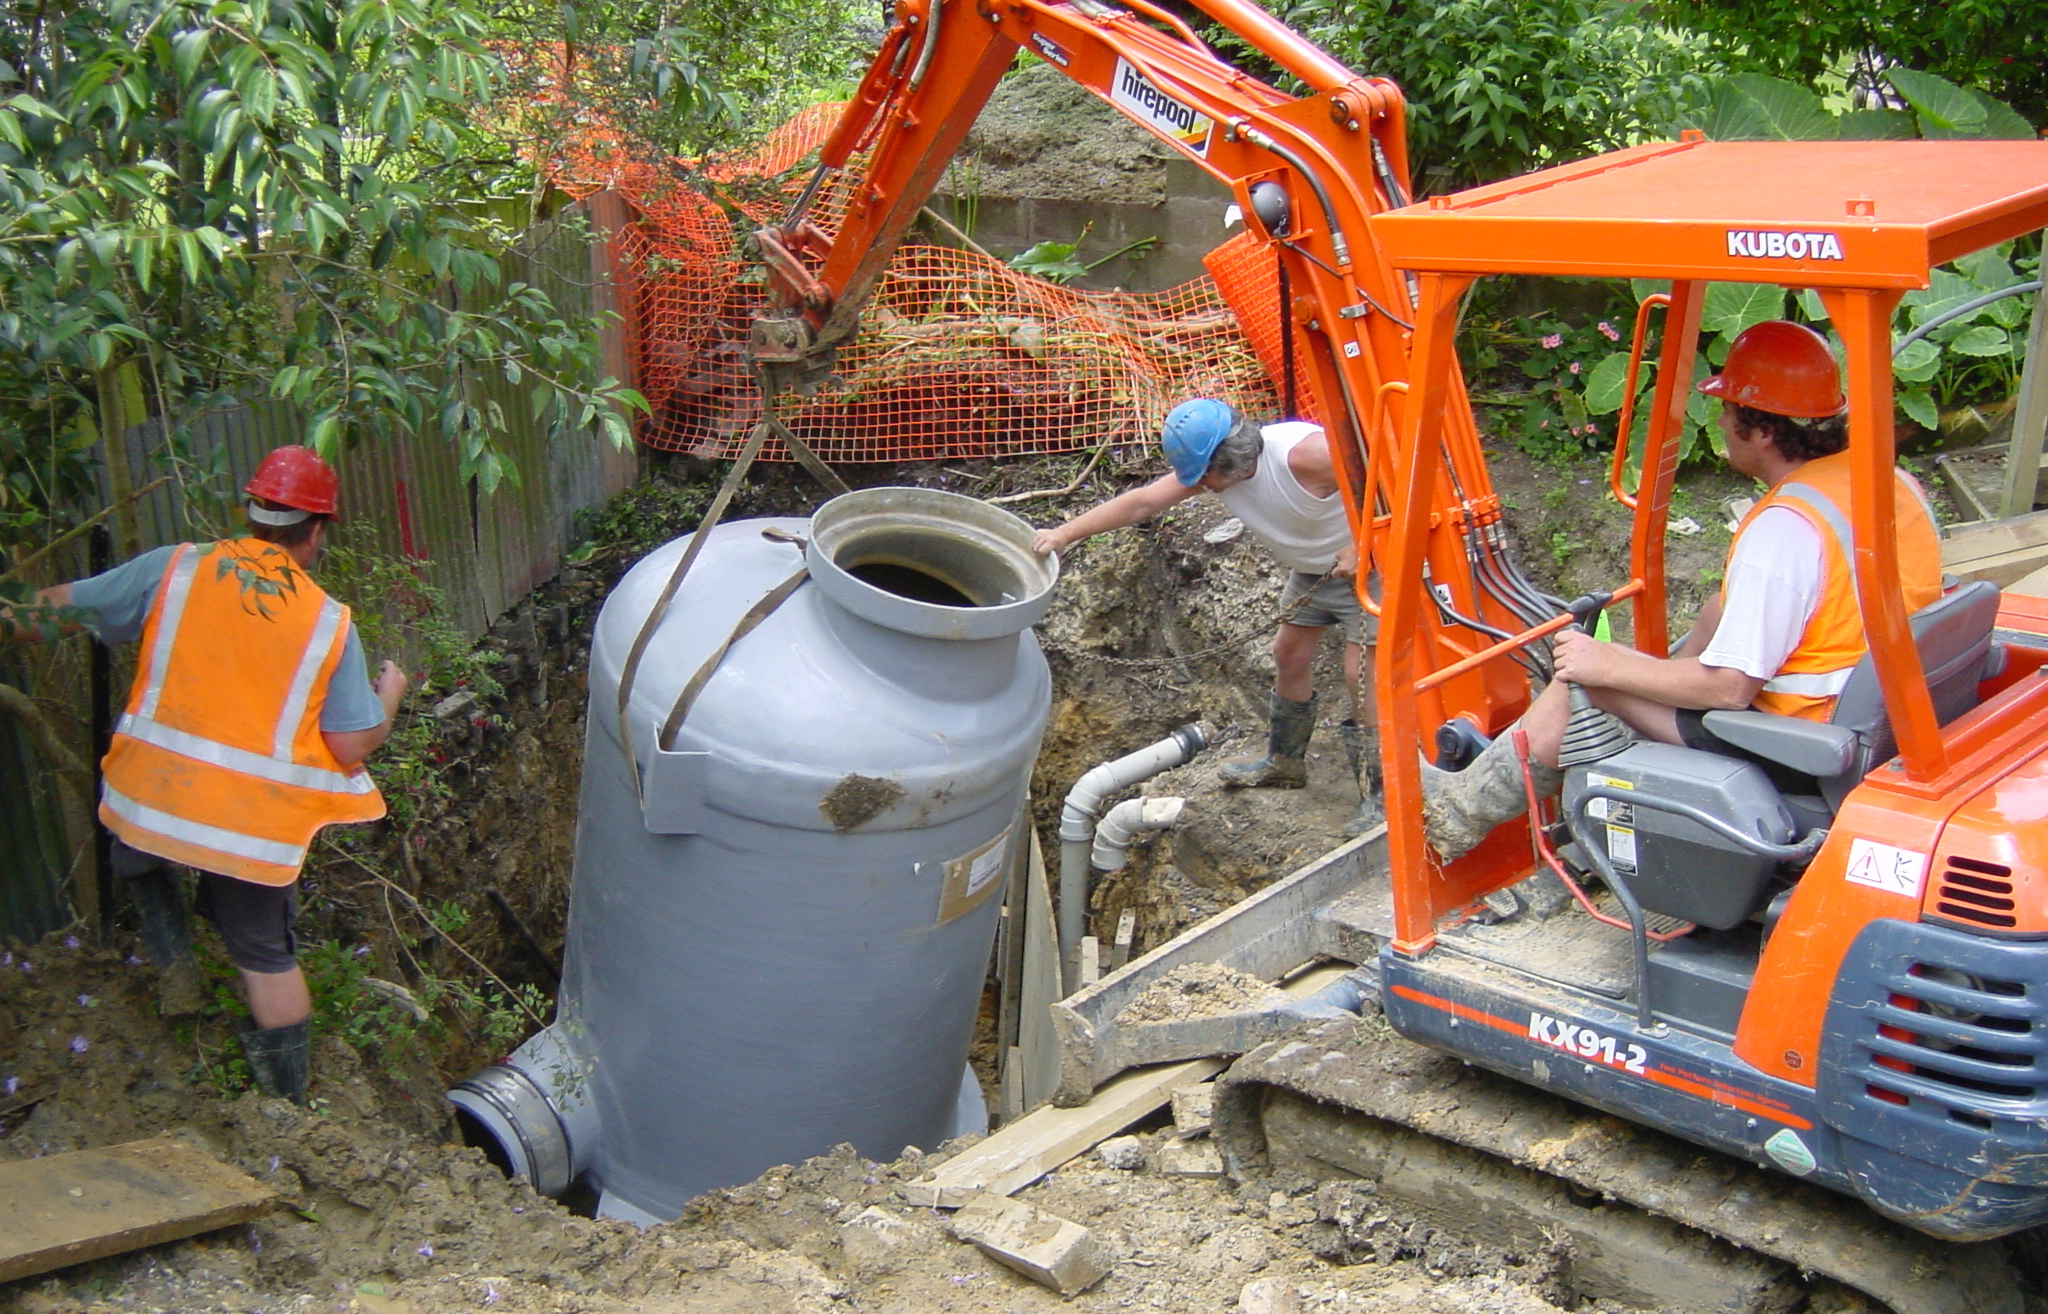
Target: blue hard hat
x=1192 y=433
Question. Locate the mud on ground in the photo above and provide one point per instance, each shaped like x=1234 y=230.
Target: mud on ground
x=385 y=1215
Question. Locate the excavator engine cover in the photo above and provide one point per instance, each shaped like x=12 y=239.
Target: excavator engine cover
x=1673 y=865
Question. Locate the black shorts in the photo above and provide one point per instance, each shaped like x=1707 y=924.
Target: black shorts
x=255 y=921
x=1692 y=729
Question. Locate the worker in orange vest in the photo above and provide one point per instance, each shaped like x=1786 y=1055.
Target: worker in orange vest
x=244 y=734
x=1786 y=629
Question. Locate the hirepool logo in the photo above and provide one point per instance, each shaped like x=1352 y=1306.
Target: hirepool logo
x=1162 y=113
x=1756 y=245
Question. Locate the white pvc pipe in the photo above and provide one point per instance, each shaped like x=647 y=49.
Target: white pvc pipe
x=1125 y=822
x=1084 y=805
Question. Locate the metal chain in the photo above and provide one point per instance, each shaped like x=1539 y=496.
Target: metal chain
x=1264 y=628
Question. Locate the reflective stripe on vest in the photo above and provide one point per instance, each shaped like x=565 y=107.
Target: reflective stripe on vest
x=218 y=761
x=279 y=766
x=1818 y=684
x=1832 y=644
x=284 y=772
x=1811 y=684
x=201 y=834
x=176 y=590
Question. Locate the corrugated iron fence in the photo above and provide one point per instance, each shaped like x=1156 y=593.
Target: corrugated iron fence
x=404 y=500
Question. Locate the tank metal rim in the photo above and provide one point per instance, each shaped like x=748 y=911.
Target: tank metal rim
x=969 y=523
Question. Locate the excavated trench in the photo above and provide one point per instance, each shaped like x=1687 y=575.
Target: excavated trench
x=1152 y=628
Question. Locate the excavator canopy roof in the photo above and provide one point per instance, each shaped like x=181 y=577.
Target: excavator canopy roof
x=1872 y=214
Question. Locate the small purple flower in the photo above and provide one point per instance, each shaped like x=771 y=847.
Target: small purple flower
x=70 y=942
x=518 y=1209
x=273 y=1163
x=1608 y=331
x=6 y=960
x=13 y=1084
x=1575 y=367
x=426 y=1251
x=255 y=1242
x=1554 y=341
x=133 y=961
x=79 y=1044
x=27 y=966
x=87 y=1001
x=362 y=951
x=491 y=1296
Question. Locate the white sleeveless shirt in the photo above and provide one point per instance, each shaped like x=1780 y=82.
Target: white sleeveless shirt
x=1305 y=532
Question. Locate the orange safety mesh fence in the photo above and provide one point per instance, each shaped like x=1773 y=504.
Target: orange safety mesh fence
x=958 y=355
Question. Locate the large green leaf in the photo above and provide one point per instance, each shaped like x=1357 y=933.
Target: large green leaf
x=1944 y=109
x=1605 y=383
x=1917 y=363
x=2001 y=121
x=1752 y=107
x=1733 y=307
x=1877 y=125
x=1982 y=340
x=1916 y=403
x=1988 y=268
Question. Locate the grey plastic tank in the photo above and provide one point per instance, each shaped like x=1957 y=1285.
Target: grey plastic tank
x=777 y=943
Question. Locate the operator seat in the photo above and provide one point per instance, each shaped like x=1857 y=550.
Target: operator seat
x=1684 y=871
x=1953 y=635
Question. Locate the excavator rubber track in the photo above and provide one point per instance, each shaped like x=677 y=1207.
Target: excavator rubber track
x=1326 y=1089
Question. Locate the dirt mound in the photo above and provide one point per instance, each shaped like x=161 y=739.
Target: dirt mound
x=1043 y=137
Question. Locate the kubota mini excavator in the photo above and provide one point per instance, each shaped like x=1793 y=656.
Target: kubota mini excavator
x=1861 y=1000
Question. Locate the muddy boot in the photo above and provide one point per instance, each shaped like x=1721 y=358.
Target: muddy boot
x=1459 y=808
x=1285 y=765
x=1362 y=751
x=159 y=897
x=280 y=1059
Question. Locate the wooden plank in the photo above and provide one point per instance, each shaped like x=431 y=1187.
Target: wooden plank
x=2030 y=417
x=1047 y=1137
x=2001 y=551
x=86 y=1204
x=2033 y=585
x=1038 y=1042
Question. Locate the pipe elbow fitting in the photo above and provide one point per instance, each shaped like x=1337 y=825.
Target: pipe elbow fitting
x=1125 y=822
x=1084 y=801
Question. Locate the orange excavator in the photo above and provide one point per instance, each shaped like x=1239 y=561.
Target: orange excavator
x=1844 y=983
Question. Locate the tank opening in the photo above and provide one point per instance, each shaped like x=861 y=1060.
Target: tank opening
x=479 y=1137
x=908 y=581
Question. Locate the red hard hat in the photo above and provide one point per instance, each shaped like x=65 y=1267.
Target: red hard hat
x=297 y=477
x=1780 y=367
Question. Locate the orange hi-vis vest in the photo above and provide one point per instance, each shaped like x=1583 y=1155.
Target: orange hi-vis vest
x=218 y=761
x=1833 y=642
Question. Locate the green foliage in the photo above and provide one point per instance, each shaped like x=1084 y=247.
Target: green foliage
x=220 y=200
x=397 y=611
x=685 y=78
x=1059 y=262
x=1497 y=87
x=1974 y=357
x=1997 y=46
x=1754 y=107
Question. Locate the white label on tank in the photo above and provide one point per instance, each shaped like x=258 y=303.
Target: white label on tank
x=1621 y=845
x=971 y=877
x=1883 y=867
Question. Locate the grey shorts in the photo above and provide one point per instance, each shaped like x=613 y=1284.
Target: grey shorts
x=1331 y=602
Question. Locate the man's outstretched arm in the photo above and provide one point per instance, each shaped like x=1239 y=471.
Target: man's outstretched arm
x=1127 y=508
